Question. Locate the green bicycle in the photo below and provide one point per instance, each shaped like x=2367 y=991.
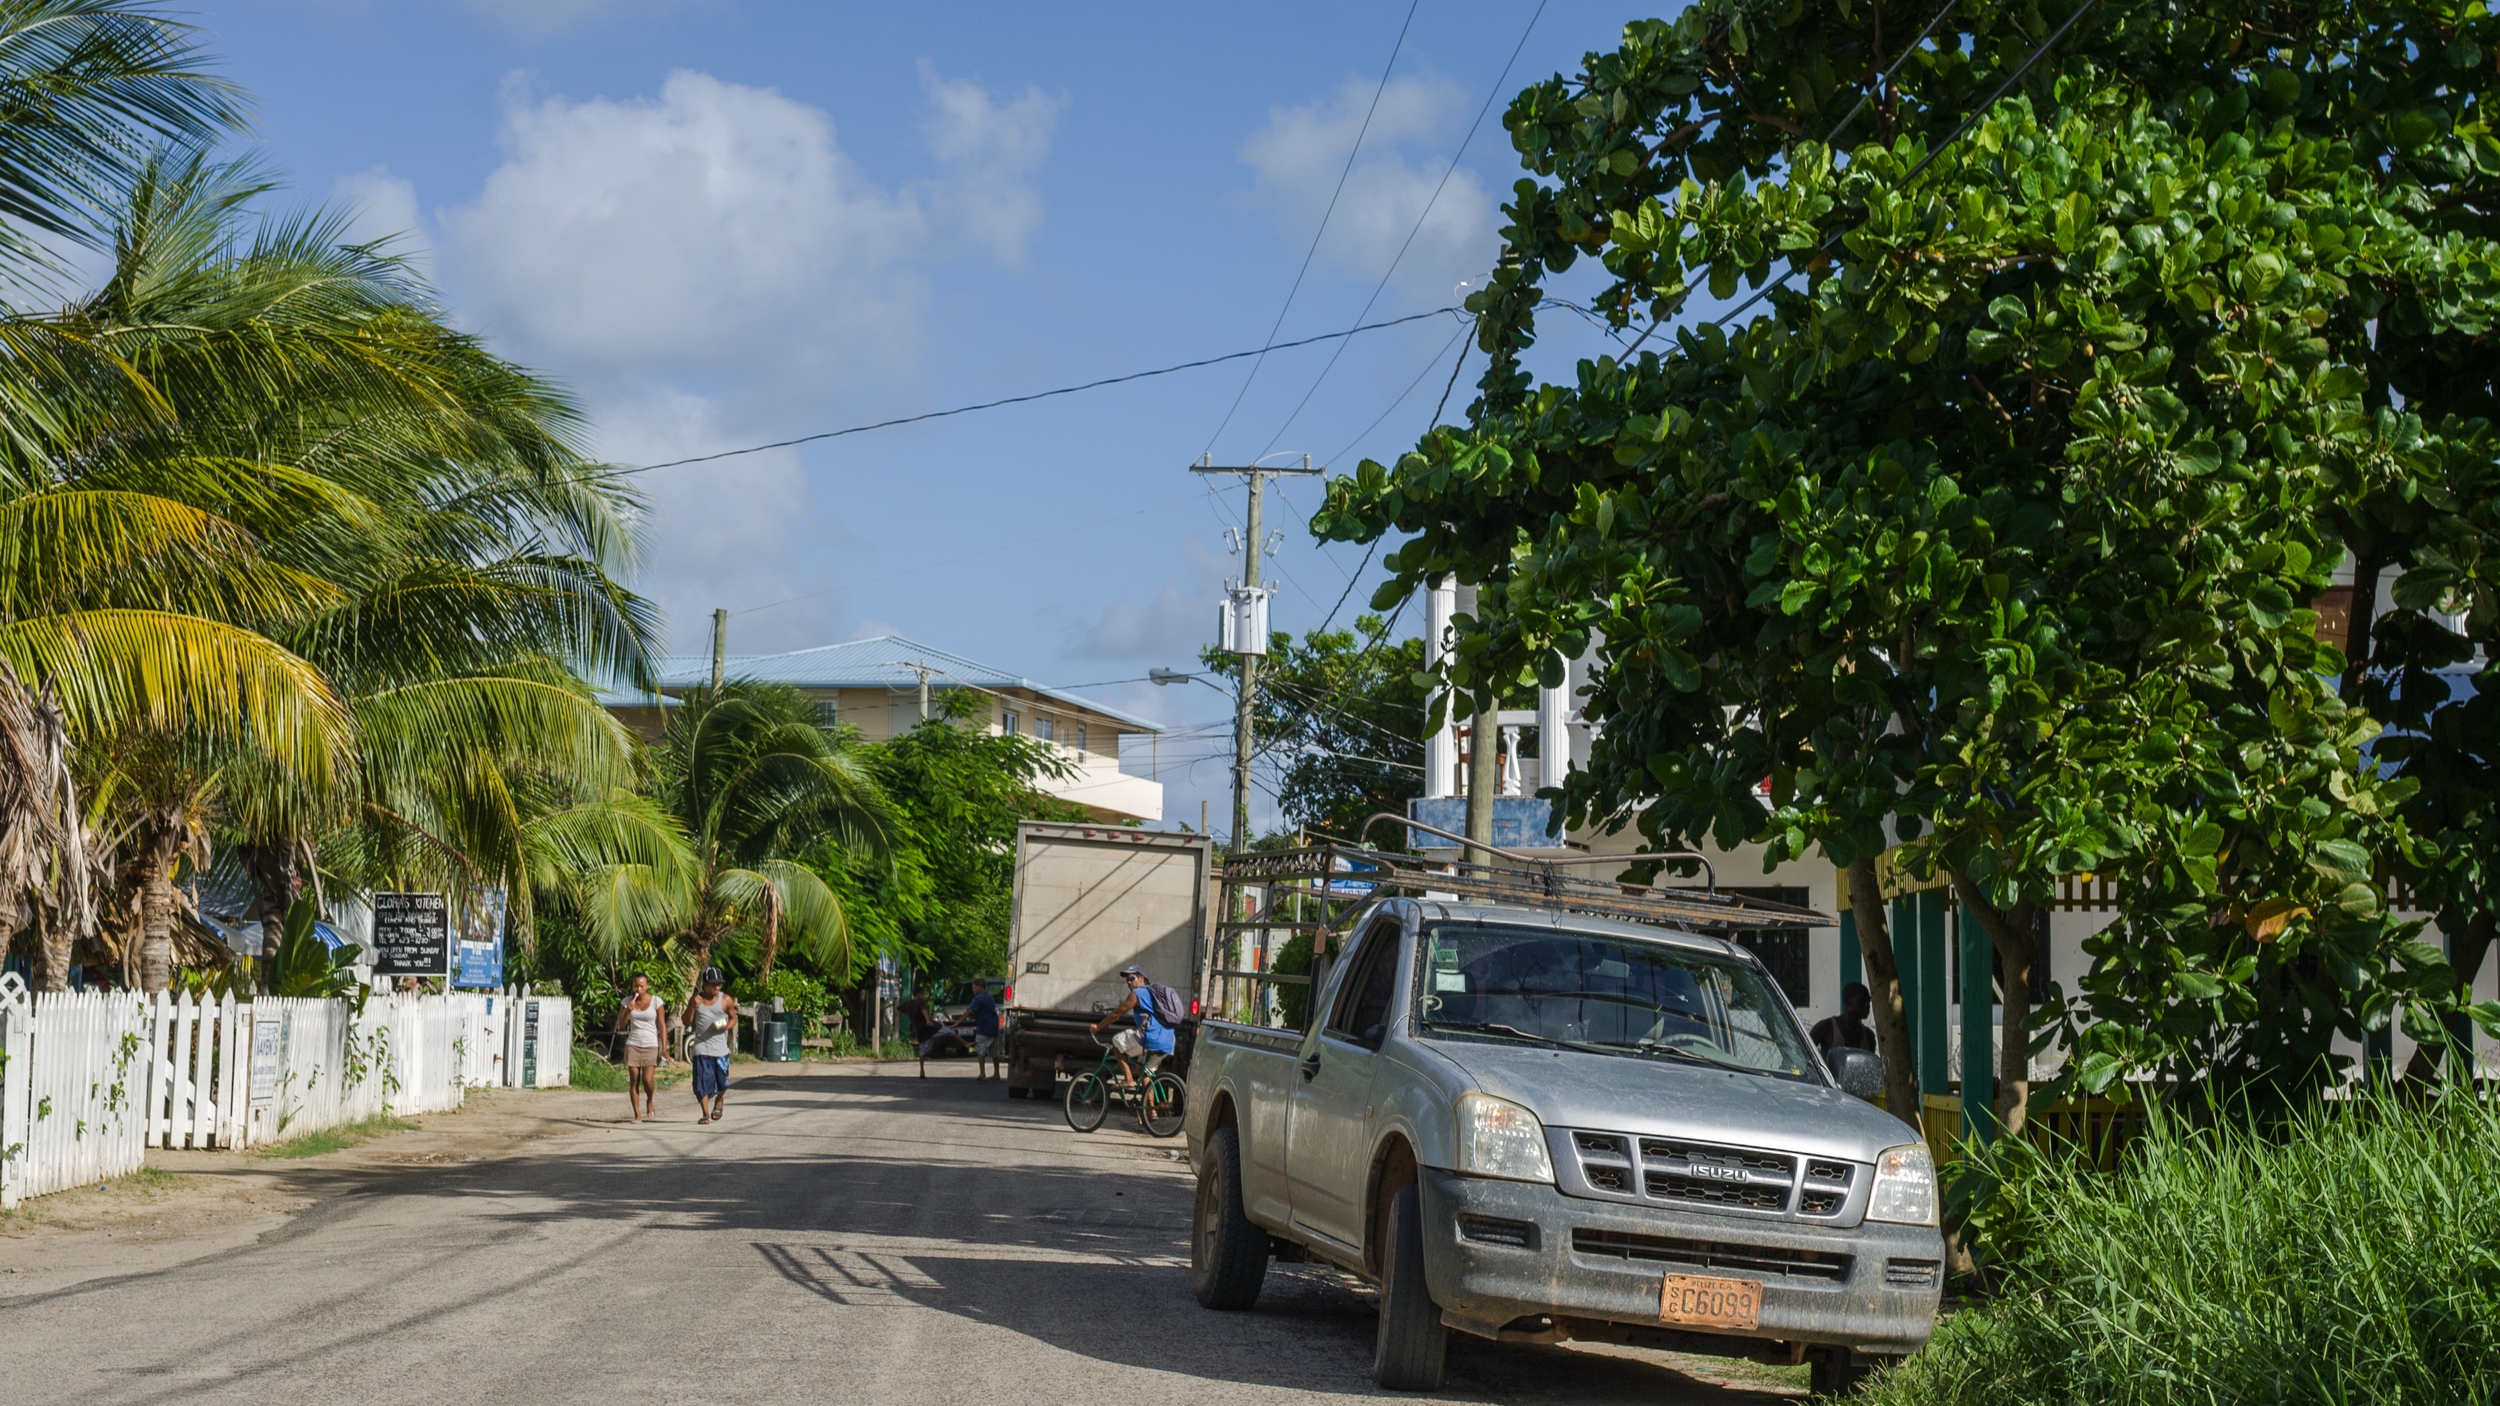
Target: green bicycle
x=1157 y=1101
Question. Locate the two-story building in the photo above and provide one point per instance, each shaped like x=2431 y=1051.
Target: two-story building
x=885 y=686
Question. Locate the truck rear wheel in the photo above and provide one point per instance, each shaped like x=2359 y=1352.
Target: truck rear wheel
x=1408 y=1354
x=1227 y=1251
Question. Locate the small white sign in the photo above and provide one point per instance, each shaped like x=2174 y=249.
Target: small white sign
x=265 y=1042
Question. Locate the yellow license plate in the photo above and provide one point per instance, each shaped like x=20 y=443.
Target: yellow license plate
x=1701 y=1301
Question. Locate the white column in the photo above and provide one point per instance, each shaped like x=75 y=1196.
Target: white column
x=1575 y=686
x=1510 y=760
x=1553 y=732
x=1440 y=748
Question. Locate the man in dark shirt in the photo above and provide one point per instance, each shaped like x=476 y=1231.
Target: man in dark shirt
x=1847 y=1030
x=983 y=1008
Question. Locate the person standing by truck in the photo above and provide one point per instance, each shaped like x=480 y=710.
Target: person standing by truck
x=983 y=1008
x=1152 y=1035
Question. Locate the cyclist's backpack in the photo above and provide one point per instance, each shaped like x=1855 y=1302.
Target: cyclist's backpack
x=1168 y=1005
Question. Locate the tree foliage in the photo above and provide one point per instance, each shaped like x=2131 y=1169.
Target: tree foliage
x=1340 y=717
x=1994 y=530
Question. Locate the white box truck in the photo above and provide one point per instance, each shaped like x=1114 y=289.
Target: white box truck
x=1089 y=900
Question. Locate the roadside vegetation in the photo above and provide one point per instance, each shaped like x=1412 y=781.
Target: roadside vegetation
x=2347 y=1256
x=338 y=1139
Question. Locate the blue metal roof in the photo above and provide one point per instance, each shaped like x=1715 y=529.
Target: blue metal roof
x=887 y=661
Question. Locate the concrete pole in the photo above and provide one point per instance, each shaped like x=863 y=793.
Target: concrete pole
x=720 y=647
x=1440 y=748
x=1248 y=697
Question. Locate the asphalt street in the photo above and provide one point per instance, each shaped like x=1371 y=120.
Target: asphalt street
x=841 y=1236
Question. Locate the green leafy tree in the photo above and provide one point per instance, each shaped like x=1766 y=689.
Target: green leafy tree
x=957 y=791
x=1994 y=528
x=1341 y=717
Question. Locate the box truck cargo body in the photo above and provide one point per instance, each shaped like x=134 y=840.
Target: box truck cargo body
x=1089 y=900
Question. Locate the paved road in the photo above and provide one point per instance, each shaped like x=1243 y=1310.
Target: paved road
x=841 y=1237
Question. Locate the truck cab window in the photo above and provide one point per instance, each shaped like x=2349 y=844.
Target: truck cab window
x=1363 y=1002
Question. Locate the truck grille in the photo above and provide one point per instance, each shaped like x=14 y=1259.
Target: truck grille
x=1691 y=1173
x=1715 y=1255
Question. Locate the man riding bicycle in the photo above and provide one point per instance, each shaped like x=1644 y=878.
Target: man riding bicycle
x=1151 y=1034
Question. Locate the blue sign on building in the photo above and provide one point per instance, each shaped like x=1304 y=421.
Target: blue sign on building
x=1519 y=822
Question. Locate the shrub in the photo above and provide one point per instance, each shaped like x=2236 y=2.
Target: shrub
x=2351 y=1255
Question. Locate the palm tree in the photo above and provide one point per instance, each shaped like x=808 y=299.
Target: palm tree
x=750 y=778
x=396 y=515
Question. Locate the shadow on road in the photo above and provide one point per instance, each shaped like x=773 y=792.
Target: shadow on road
x=1084 y=1249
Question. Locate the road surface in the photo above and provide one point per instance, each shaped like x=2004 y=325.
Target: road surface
x=844 y=1235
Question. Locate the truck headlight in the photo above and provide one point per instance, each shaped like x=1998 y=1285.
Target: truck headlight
x=1905 y=1186
x=1498 y=1138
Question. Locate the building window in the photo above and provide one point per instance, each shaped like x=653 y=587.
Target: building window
x=1008 y=722
x=1080 y=737
x=1045 y=729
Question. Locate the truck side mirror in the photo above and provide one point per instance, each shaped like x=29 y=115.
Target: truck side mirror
x=1374 y=1037
x=1860 y=1072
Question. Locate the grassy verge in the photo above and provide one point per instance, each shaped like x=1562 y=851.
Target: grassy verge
x=2347 y=1258
x=338 y=1139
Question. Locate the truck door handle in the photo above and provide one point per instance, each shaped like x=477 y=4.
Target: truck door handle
x=1310 y=1067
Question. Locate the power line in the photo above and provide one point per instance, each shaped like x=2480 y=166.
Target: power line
x=1024 y=399
x=1402 y=395
x=1325 y=217
x=1446 y=172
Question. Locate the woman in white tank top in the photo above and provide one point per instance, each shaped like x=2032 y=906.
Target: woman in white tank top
x=644 y=1020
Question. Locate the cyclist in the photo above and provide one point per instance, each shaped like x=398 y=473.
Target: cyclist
x=1151 y=1034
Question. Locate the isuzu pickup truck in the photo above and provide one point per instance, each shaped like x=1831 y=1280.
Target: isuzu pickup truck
x=1533 y=1125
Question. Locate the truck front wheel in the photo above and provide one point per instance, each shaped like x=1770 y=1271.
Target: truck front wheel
x=1227 y=1251
x=1408 y=1353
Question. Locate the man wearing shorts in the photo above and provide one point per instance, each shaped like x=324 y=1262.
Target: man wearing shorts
x=1149 y=1035
x=983 y=1008
x=710 y=1016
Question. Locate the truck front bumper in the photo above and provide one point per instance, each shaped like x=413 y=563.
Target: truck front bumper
x=1520 y=1260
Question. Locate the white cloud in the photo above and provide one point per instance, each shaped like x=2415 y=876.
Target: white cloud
x=709 y=268
x=990 y=152
x=383 y=207
x=1169 y=628
x=717 y=230
x=1299 y=154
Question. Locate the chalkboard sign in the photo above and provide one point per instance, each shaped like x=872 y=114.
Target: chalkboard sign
x=411 y=935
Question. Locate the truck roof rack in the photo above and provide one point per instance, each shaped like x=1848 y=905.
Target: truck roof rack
x=1269 y=897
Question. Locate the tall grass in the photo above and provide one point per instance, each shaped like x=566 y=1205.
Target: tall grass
x=2353 y=1256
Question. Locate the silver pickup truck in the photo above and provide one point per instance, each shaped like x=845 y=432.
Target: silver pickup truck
x=1531 y=1125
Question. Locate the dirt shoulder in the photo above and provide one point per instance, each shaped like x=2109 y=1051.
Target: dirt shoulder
x=188 y=1204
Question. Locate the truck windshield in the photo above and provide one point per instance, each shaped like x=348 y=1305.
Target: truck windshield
x=1609 y=995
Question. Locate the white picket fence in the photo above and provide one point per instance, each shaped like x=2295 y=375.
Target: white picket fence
x=89 y=1082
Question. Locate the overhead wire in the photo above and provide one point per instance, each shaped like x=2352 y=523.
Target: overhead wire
x=1448 y=171
x=1325 y=216
x=619 y=471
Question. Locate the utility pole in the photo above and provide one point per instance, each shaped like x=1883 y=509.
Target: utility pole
x=720 y=647
x=924 y=693
x=1246 y=628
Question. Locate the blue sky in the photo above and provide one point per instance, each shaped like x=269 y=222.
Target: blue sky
x=723 y=222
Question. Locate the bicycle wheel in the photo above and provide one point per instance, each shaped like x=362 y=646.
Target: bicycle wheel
x=1088 y=1100
x=1160 y=1107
